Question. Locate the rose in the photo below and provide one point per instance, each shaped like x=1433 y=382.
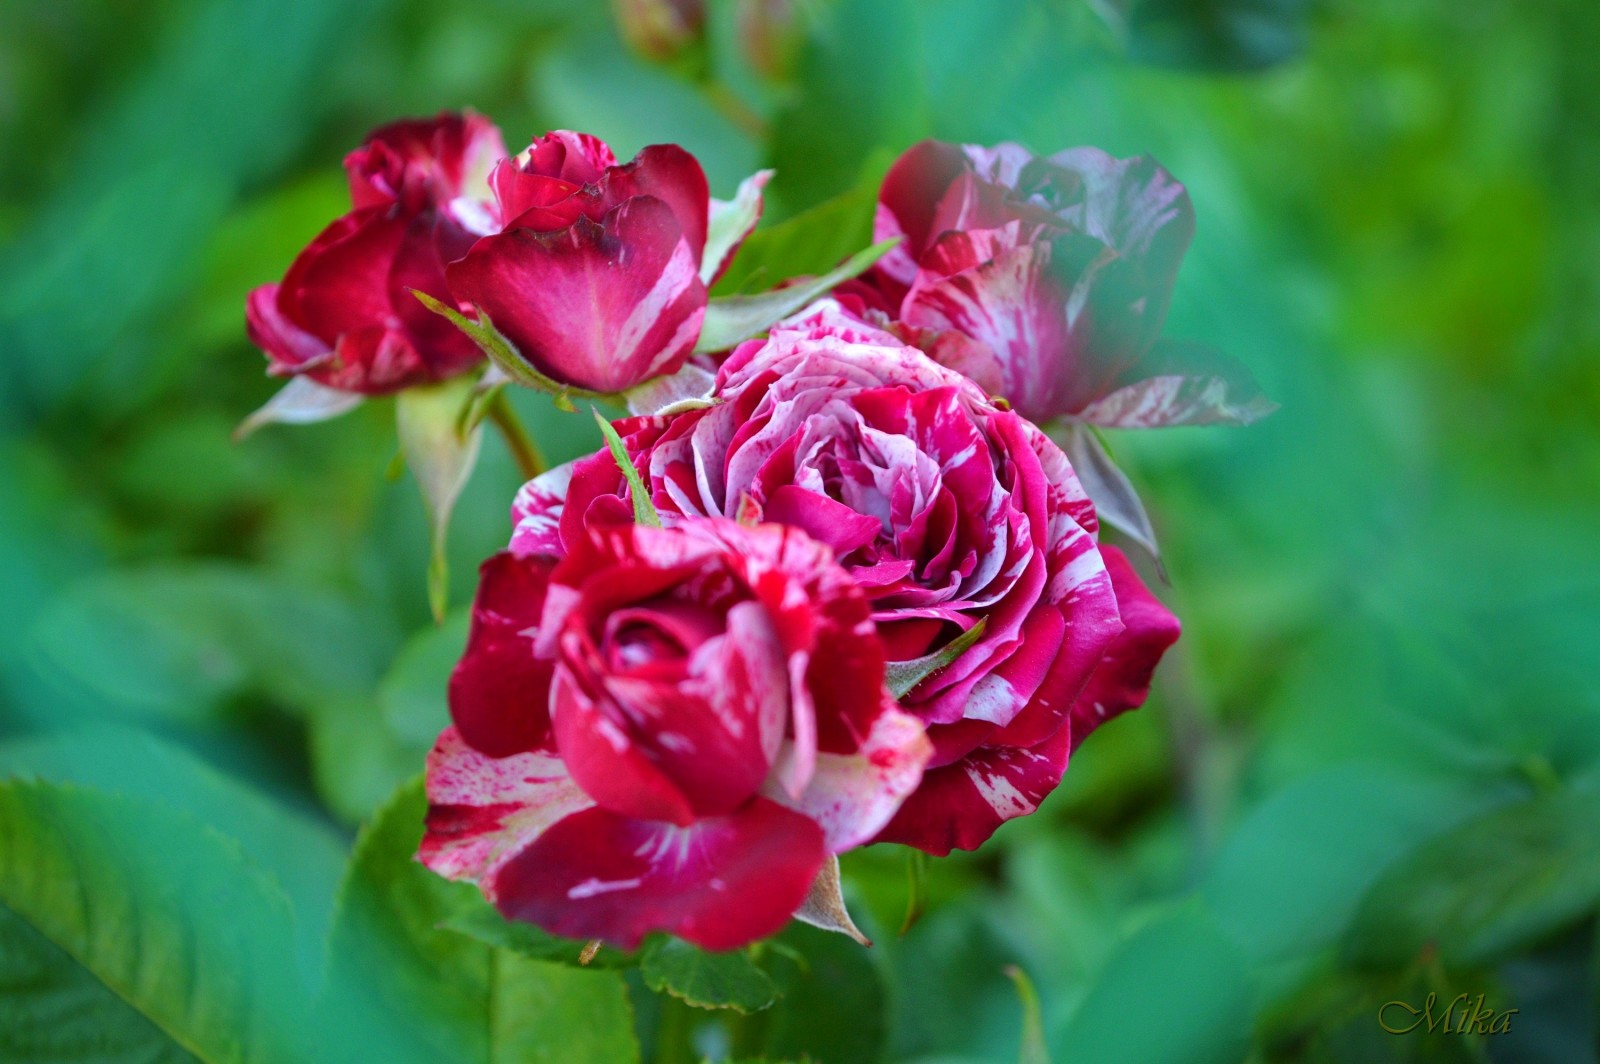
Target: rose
x=598 y=277
x=660 y=29
x=344 y=315
x=1062 y=269
x=665 y=729
x=947 y=509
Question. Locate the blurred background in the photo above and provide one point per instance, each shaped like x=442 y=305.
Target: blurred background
x=1369 y=771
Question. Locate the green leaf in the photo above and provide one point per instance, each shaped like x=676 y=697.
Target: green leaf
x=730 y=319
x=52 y=1009
x=178 y=642
x=476 y=918
x=429 y=420
x=402 y=987
x=820 y=975
x=1490 y=885
x=1216 y=35
x=811 y=242
x=644 y=511
x=902 y=676
x=1343 y=826
x=1181 y=969
x=729 y=221
x=706 y=980
x=297 y=849
x=168 y=914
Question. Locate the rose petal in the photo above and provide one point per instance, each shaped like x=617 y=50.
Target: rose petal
x=1122 y=680
x=601 y=306
x=536 y=513
x=852 y=796
x=482 y=810
x=960 y=805
x=499 y=692
x=719 y=883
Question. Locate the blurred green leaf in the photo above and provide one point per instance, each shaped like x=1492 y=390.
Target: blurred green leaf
x=414 y=692
x=1491 y=884
x=1221 y=35
x=832 y=999
x=1033 y=1049
x=1177 y=992
x=221 y=102
x=402 y=987
x=1289 y=879
x=176 y=642
x=167 y=912
x=861 y=89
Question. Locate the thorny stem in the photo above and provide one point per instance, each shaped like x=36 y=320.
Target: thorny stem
x=529 y=459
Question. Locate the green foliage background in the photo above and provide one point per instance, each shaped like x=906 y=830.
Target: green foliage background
x=1370 y=770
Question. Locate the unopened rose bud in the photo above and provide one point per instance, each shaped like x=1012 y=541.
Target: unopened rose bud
x=660 y=29
x=770 y=34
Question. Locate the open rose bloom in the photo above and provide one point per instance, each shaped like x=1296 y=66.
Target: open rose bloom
x=666 y=729
x=1047 y=279
x=946 y=510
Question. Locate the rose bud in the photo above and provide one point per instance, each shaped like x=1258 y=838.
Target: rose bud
x=950 y=512
x=770 y=35
x=660 y=29
x=344 y=314
x=1061 y=268
x=599 y=275
x=665 y=729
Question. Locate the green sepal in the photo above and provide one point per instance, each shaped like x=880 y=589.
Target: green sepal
x=902 y=676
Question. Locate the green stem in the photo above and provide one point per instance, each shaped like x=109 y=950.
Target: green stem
x=526 y=452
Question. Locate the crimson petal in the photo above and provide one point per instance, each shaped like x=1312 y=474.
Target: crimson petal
x=719 y=883
x=499 y=692
x=596 y=305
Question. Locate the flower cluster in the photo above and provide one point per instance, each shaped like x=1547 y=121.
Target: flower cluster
x=836 y=581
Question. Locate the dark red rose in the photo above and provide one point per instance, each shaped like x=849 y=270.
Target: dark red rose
x=344 y=314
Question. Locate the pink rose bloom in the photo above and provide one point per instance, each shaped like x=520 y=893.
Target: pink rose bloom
x=598 y=274
x=946 y=509
x=344 y=314
x=1056 y=273
x=665 y=730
